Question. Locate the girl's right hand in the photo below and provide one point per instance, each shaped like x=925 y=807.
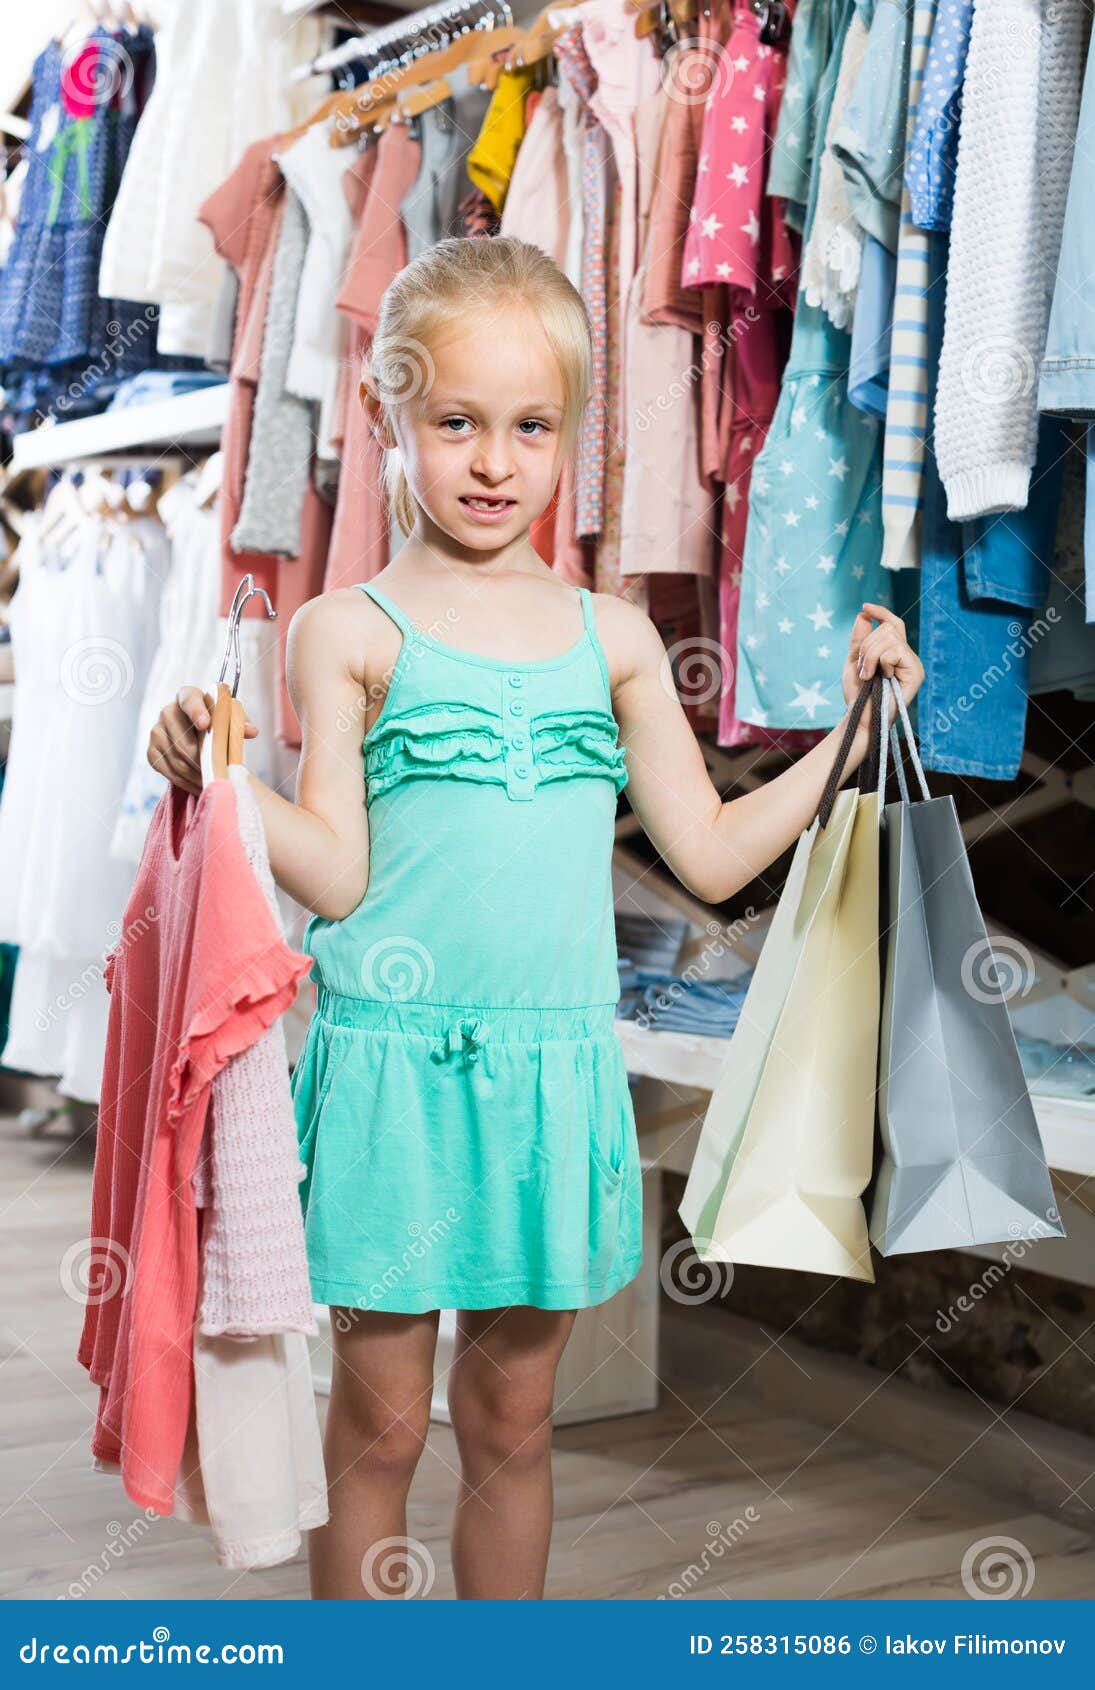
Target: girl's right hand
x=174 y=745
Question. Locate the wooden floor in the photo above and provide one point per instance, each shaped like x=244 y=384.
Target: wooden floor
x=722 y=1492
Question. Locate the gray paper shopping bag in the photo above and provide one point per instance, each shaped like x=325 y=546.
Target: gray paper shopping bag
x=959 y=1158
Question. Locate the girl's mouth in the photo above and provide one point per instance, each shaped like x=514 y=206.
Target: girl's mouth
x=486 y=509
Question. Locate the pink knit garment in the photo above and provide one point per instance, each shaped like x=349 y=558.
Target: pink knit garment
x=254 y=1277
x=201 y=970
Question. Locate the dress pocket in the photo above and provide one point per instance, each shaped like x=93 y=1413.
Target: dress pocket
x=608 y=1159
x=313 y=1078
x=609 y=1121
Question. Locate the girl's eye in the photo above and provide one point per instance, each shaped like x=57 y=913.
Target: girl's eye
x=534 y=422
x=448 y=421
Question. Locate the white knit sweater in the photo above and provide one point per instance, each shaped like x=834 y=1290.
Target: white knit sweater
x=1020 y=106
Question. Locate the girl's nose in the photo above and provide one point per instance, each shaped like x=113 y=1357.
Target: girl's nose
x=493 y=459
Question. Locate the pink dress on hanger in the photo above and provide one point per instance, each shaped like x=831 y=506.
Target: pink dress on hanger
x=360 y=537
x=201 y=971
x=737 y=241
x=242 y=215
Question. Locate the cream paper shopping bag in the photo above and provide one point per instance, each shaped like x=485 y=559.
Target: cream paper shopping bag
x=818 y=860
x=793 y=1116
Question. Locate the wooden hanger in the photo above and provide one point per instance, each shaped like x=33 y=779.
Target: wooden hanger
x=226 y=735
x=358 y=108
x=533 y=44
x=539 y=37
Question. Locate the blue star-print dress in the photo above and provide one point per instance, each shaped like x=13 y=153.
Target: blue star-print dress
x=813 y=544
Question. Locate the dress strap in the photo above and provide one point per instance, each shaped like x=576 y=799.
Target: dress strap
x=587 y=610
x=401 y=621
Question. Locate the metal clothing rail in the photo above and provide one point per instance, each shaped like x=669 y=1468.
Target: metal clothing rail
x=405 y=29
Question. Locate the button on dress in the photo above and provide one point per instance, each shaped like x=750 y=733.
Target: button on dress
x=462 y=1102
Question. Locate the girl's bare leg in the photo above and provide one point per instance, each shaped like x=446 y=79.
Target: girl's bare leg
x=501 y=1388
x=377 y=1422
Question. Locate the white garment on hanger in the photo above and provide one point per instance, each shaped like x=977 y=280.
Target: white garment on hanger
x=315 y=171
x=222 y=82
x=252 y=1465
x=57 y=1022
x=84 y=626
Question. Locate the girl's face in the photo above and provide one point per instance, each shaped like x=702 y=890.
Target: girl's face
x=482 y=442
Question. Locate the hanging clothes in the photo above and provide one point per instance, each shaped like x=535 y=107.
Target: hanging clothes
x=576 y=68
x=491 y=159
x=84 y=625
x=201 y=971
x=315 y=171
x=1020 y=107
x=538 y=209
x=668 y=516
x=907 y=367
x=254 y=1271
x=361 y=545
x=811 y=553
x=190 y=645
x=223 y=81
x=244 y=217
x=431 y=206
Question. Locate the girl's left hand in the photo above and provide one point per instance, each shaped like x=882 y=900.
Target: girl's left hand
x=883 y=648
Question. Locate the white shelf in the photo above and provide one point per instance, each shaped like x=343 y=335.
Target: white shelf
x=191 y=419
x=1067 y=1124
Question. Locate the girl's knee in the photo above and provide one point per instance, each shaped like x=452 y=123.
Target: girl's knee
x=376 y=1436
x=500 y=1426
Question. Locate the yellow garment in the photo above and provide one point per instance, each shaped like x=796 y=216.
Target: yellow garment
x=491 y=160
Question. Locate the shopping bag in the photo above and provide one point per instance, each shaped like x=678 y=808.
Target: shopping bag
x=960 y=1156
x=785 y=1151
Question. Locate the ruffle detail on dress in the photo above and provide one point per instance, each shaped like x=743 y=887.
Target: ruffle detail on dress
x=263 y=989
x=578 y=742
x=467 y=743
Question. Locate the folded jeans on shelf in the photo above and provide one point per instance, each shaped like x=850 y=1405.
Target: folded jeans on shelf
x=671 y=1003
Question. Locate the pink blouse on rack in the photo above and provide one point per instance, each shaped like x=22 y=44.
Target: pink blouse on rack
x=359 y=539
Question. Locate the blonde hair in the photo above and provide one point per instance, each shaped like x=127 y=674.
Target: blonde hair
x=443 y=286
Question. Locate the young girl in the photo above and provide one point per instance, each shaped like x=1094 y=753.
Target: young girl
x=462 y=1100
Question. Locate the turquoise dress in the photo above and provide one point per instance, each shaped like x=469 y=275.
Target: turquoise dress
x=462 y=1104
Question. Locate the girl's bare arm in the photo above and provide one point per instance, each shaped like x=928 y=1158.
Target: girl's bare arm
x=319 y=844
x=715 y=848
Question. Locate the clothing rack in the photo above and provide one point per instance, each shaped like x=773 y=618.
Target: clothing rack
x=407 y=29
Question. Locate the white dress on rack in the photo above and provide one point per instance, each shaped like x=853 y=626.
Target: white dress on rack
x=83 y=626
x=191 y=646
x=222 y=82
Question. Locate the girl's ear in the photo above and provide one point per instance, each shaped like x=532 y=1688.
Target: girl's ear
x=374 y=411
